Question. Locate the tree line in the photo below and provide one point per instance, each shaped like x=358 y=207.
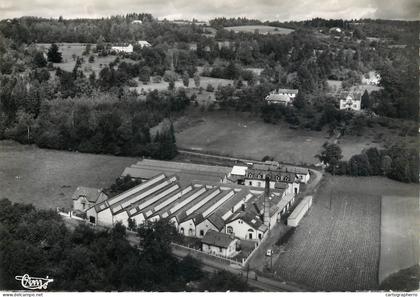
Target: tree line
x=398 y=162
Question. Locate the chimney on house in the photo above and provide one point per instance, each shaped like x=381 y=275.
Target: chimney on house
x=267 y=202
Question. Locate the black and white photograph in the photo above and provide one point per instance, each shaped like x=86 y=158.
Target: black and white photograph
x=224 y=146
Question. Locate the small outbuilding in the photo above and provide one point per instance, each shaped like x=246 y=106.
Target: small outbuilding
x=220 y=244
x=299 y=212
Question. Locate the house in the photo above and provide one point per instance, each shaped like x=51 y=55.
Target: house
x=282 y=96
x=137 y=22
x=350 y=101
x=372 y=78
x=221 y=244
x=226 y=44
x=302 y=174
x=123 y=49
x=192 y=46
x=335 y=31
x=256 y=173
x=143 y=43
x=84 y=198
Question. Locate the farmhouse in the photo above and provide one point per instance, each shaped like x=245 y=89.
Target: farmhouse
x=220 y=244
x=84 y=198
x=137 y=22
x=350 y=101
x=281 y=96
x=123 y=49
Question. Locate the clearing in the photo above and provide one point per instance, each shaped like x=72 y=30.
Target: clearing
x=48 y=178
x=400 y=225
x=246 y=136
x=70 y=49
x=262 y=29
x=336 y=247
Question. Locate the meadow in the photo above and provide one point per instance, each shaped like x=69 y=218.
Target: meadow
x=247 y=136
x=48 y=178
x=336 y=247
x=262 y=29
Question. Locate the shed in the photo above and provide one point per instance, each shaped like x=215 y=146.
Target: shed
x=299 y=211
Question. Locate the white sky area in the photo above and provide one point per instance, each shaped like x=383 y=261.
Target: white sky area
x=282 y=10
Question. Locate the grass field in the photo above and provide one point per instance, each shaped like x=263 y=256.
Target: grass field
x=336 y=247
x=48 y=178
x=261 y=29
x=242 y=135
x=400 y=225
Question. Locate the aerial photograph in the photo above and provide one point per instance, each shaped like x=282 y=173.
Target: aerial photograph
x=209 y=146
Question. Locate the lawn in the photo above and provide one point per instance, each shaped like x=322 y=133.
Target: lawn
x=48 y=178
x=242 y=135
x=400 y=225
x=261 y=29
x=336 y=247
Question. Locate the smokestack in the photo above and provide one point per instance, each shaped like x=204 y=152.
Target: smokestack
x=267 y=202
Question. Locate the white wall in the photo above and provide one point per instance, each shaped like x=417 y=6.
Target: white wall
x=241 y=230
x=91 y=212
x=140 y=219
x=204 y=226
x=105 y=218
x=189 y=228
x=214 y=250
x=121 y=217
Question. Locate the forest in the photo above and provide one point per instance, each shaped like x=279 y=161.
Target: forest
x=99 y=112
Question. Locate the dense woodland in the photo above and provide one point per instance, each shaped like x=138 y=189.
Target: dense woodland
x=75 y=110
x=39 y=243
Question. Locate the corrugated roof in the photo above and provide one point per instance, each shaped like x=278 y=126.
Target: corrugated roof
x=142 y=195
x=187 y=172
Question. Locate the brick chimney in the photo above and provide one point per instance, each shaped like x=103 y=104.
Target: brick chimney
x=267 y=202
